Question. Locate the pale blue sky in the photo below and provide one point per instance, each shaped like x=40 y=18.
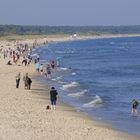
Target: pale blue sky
x=70 y=12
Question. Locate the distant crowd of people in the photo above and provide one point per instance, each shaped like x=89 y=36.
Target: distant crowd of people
x=21 y=56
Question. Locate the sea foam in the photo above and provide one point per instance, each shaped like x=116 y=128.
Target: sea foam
x=64 y=68
x=97 y=101
x=77 y=94
x=73 y=73
x=70 y=86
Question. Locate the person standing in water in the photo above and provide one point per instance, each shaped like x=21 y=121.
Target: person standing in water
x=53 y=97
x=48 y=71
x=37 y=66
x=41 y=69
x=58 y=62
x=45 y=70
x=52 y=63
x=135 y=107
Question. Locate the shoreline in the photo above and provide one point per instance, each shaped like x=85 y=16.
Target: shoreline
x=91 y=121
x=28 y=107
x=45 y=39
x=67 y=107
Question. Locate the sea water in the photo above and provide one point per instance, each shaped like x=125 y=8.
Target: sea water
x=100 y=77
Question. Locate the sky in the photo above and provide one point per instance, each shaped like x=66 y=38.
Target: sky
x=70 y=12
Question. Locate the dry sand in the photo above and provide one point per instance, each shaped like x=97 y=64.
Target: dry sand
x=23 y=114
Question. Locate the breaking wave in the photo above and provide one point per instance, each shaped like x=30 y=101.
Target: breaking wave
x=97 y=101
x=78 y=94
x=70 y=86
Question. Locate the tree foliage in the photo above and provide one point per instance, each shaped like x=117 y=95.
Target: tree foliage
x=50 y=30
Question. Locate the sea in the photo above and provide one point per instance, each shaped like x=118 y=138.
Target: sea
x=100 y=77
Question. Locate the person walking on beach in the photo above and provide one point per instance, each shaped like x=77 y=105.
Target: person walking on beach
x=17 y=80
x=53 y=97
x=25 y=79
x=135 y=107
x=29 y=83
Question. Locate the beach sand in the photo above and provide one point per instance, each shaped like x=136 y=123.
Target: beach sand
x=23 y=114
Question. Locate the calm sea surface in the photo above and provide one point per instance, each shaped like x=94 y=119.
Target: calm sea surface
x=100 y=77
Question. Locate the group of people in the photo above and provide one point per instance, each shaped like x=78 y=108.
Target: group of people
x=27 y=85
x=45 y=69
x=22 y=51
x=22 y=55
x=27 y=81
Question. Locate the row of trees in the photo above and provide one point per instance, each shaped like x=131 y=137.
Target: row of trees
x=41 y=30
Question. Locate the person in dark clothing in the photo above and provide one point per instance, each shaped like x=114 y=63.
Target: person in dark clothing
x=29 y=83
x=135 y=107
x=9 y=62
x=24 y=62
x=17 y=80
x=53 y=97
x=52 y=64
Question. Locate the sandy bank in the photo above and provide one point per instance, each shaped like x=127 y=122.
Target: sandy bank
x=48 y=38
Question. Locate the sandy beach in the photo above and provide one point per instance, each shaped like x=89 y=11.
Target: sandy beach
x=24 y=115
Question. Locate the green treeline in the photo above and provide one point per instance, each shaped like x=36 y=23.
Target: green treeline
x=51 y=30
